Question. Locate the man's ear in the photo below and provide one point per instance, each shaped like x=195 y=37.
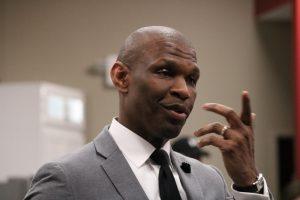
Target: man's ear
x=120 y=76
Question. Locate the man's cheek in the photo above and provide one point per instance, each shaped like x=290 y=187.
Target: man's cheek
x=191 y=104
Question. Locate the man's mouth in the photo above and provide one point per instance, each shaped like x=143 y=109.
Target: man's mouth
x=176 y=111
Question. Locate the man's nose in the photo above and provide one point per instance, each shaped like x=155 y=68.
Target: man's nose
x=180 y=88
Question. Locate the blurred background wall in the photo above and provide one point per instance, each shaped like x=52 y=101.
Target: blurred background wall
x=58 y=40
x=2 y=46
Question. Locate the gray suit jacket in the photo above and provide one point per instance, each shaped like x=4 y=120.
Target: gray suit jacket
x=100 y=171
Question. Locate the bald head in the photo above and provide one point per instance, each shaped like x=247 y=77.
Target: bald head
x=156 y=70
x=138 y=42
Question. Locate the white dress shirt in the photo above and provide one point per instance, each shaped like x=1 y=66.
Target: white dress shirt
x=137 y=152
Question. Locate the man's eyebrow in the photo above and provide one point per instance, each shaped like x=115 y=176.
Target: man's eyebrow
x=196 y=70
x=165 y=62
x=168 y=62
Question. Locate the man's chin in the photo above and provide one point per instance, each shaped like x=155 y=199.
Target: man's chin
x=172 y=131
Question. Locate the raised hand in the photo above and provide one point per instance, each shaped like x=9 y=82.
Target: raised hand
x=236 y=141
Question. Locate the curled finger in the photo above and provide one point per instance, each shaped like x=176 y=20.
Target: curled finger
x=214 y=140
x=227 y=112
x=215 y=127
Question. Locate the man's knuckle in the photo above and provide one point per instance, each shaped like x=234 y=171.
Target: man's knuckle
x=209 y=140
x=240 y=142
x=226 y=148
x=230 y=113
x=229 y=149
x=215 y=126
x=234 y=146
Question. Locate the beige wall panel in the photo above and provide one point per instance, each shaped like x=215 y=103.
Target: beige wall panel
x=2 y=38
x=56 y=40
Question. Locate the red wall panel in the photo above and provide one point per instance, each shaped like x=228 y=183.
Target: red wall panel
x=263 y=6
x=297 y=83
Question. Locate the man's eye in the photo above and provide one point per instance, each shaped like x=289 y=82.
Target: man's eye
x=192 y=80
x=164 y=72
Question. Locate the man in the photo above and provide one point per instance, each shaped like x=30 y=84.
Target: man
x=156 y=75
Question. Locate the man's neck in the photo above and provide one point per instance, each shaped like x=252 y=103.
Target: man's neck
x=156 y=142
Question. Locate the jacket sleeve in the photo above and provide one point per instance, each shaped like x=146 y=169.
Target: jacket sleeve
x=49 y=183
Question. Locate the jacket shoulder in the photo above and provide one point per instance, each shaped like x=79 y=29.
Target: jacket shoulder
x=66 y=177
x=50 y=177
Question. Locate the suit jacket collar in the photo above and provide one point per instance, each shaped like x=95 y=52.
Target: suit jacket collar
x=124 y=180
x=117 y=168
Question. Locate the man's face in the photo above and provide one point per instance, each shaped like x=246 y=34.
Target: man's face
x=162 y=89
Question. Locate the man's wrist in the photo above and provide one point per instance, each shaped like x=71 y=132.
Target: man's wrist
x=255 y=187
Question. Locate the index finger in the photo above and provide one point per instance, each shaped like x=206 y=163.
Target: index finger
x=227 y=112
x=246 y=109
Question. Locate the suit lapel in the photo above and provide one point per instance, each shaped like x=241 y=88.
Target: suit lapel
x=117 y=168
x=188 y=180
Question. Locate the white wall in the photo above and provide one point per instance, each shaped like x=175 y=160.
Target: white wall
x=56 y=41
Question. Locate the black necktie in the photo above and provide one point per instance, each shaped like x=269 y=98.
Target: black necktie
x=167 y=185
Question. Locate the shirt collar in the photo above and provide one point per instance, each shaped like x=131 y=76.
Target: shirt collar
x=133 y=146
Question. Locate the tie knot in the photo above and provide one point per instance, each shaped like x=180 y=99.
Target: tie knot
x=160 y=157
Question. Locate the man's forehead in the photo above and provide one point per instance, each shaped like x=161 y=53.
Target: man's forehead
x=147 y=42
x=175 y=48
